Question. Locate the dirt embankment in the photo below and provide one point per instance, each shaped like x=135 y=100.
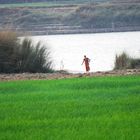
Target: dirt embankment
x=64 y=75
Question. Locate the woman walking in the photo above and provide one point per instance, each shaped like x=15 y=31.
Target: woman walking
x=86 y=60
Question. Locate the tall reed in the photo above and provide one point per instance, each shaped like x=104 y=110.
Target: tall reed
x=16 y=57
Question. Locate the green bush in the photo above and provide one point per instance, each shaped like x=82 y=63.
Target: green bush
x=123 y=61
x=34 y=58
x=8 y=52
x=16 y=57
x=135 y=63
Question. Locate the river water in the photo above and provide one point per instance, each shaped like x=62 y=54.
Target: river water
x=67 y=51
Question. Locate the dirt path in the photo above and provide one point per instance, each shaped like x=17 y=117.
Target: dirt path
x=64 y=75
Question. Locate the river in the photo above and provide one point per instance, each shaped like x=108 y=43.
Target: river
x=67 y=51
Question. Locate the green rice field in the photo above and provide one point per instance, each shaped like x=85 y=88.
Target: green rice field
x=101 y=108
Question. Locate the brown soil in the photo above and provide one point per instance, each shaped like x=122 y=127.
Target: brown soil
x=64 y=75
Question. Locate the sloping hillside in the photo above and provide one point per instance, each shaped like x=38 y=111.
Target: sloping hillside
x=106 y=16
x=77 y=18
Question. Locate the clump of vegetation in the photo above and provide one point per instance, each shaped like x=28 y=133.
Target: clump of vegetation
x=22 y=57
x=34 y=58
x=135 y=63
x=124 y=61
x=8 y=52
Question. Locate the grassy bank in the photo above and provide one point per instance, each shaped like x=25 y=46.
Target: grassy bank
x=34 y=5
x=72 y=109
x=47 y=3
